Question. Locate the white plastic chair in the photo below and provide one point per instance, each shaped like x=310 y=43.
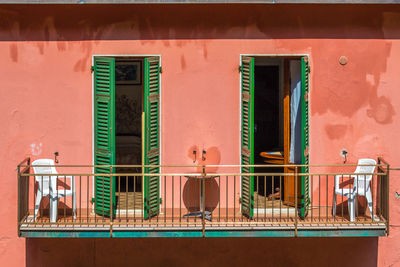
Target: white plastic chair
x=48 y=187
x=361 y=187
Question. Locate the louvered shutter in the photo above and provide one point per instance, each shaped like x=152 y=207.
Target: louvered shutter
x=305 y=196
x=152 y=136
x=104 y=134
x=247 y=135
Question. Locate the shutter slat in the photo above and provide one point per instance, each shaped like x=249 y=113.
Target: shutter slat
x=247 y=134
x=305 y=199
x=104 y=82
x=151 y=183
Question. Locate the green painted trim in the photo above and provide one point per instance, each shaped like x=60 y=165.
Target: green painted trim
x=52 y=234
x=104 y=151
x=304 y=135
x=151 y=184
x=159 y=234
x=247 y=62
x=341 y=233
x=271 y=233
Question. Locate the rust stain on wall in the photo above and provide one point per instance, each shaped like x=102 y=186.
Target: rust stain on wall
x=335 y=131
x=14 y=52
x=183 y=62
x=381 y=110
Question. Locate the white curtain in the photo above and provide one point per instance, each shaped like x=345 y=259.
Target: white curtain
x=295 y=112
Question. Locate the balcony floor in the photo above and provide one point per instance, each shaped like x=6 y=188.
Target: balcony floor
x=319 y=222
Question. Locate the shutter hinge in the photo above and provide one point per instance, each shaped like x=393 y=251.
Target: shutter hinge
x=306 y=151
x=240 y=68
x=92 y=69
x=160 y=200
x=160 y=69
x=240 y=200
x=92 y=200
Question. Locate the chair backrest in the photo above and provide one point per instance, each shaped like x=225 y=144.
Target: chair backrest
x=364 y=180
x=44 y=180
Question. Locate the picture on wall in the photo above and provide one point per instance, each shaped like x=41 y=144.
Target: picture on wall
x=128 y=72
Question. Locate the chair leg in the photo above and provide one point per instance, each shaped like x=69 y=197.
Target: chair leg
x=334 y=205
x=74 y=205
x=351 y=208
x=53 y=209
x=368 y=196
x=37 y=204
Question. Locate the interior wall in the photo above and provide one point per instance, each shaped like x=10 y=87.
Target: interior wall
x=46 y=53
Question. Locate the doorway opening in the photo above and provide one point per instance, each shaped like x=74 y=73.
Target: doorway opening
x=129 y=95
x=276 y=130
x=126 y=101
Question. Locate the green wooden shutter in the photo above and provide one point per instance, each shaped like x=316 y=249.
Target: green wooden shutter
x=152 y=136
x=247 y=135
x=104 y=132
x=305 y=197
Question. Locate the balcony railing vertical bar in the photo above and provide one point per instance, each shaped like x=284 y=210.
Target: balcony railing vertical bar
x=319 y=199
x=23 y=193
x=312 y=199
x=295 y=197
x=326 y=194
x=384 y=168
x=219 y=195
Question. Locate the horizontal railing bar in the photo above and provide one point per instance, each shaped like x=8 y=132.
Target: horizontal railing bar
x=204 y=166
x=199 y=175
x=27 y=159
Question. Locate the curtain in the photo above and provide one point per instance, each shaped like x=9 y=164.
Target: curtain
x=295 y=112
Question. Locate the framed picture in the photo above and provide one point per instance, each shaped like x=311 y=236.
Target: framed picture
x=128 y=72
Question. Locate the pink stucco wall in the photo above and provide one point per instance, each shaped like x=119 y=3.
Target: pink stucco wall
x=46 y=106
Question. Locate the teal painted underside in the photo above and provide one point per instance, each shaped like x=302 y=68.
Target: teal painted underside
x=300 y=233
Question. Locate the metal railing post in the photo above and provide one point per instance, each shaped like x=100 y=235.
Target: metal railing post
x=202 y=192
x=296 y=200
x=387 y=199
x=111 y=201
x=19 y=200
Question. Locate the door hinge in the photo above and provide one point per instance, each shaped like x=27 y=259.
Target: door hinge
x=160 y=200
x=92 y=200
x=240 y=200
x=92 y=69
x=240 y=68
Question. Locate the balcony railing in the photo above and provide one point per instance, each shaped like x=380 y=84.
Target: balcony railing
x=282 y=201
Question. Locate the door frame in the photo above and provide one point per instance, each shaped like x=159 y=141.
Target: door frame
x=134 y=211
x=240 y=109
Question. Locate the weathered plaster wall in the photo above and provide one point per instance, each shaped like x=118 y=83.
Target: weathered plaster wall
x=46 y=106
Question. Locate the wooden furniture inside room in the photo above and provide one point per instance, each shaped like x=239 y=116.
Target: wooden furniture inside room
x=279 y=158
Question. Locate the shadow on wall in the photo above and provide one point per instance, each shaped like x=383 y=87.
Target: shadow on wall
x=131 y=22
x=203 y=252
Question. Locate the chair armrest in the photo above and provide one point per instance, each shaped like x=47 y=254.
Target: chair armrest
x=72 y=181
x=337 y=179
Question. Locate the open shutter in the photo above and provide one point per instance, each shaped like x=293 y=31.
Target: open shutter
x=305 y=197
x=247 y=135
x=104 y=133
x=152 y=136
